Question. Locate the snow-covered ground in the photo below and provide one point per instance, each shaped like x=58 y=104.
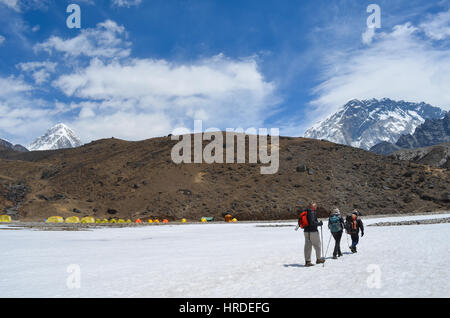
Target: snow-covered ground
x=224 y=260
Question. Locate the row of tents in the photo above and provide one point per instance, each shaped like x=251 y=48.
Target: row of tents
x=90 y=219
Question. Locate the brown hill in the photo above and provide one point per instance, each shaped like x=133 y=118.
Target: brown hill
x=116 y=178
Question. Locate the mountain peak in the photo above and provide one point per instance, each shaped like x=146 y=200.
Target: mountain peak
x=365 y=123
x=59 y=136
x=60 y=125
x=6 y=145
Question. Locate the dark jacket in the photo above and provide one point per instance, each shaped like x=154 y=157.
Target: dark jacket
x=312 y=221
x=359 y=226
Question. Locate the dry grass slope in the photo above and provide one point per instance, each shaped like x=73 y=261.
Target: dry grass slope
x=116 y=178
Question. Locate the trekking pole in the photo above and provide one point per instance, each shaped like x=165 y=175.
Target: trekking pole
x=329 y=240
x=321 y=239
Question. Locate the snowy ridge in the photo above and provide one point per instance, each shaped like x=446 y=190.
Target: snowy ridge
x=365 y=123
x=57 y=137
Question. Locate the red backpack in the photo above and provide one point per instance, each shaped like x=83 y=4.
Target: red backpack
x=303 y=220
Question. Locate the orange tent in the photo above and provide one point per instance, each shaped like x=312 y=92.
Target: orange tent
x=228 y=218
x=138 y=221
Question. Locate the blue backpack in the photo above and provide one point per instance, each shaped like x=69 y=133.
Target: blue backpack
x=335 y=224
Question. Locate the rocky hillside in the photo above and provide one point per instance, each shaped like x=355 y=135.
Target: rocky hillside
x=436 y=156
x=116 y=178
x=385 y=148
x=365 y=123
x=431 y=132
x=6 y=145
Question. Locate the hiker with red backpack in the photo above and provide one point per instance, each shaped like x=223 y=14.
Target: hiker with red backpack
x=309 y=223
x=353 y=224
x=336 y=226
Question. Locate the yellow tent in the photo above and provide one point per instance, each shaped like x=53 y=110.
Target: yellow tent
x=88 y=219
x=5 y=219
x=156 y=221
x=105 y=221
x=55 y=219
x=234 y=220
x=204 y=220
x=113 y=221
x=98 y=221
x=128 y=221
x=150 y=221
x=73 y=219
x=120 y=221
x=183 y=221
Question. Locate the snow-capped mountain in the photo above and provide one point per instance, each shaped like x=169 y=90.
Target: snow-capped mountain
x=365 y=123
x=57 y=137
x=430 y=133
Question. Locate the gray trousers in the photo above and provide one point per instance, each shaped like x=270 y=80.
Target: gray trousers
x=312 y=239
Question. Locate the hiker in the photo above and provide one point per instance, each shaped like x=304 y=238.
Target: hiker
x=228 y=218
x=308 y=222
x=353 y=224
x=336 y=226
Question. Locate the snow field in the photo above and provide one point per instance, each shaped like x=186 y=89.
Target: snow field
x=225 y=260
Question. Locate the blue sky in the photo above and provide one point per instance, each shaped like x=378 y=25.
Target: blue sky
x=138 y=69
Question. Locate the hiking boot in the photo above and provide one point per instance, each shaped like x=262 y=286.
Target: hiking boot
x=353 y=249
x=334 y=257
x=320 y=261
x=339 y=254
x=308 y=264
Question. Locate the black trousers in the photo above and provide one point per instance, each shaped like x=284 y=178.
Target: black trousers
x=337 y=242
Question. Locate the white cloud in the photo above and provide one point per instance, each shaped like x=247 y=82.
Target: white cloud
x=21 y=115
x=11 y=85
x=13 y=4
x=40 y=71
x=399 y=65
x=106 y=40
x=2 y=39
x=126 y=3
x=368 y=35
x=437 y=27
x=221 y=91
x=143 y=77
x=128 y=125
